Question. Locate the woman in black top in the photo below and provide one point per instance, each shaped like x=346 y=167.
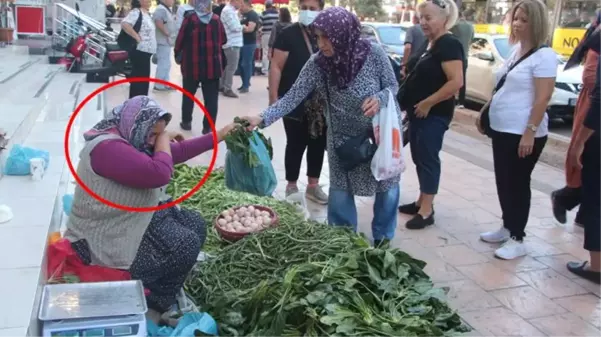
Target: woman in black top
x=284 y=21
x=305 y=126
x=434 y=76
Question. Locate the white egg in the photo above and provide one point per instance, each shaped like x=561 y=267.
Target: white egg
x=242 y=209
x=228 y=218
x=225 y=213
x=230 y=228
x=251 y=208
x=257 y=213
x=222 y=222
x=236 y=217
x=266 y=221
x=236 y=224
x=259 y=221
x=232 y=212
x=265 y=213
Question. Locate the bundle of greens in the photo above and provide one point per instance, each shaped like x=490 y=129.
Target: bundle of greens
x=305 y=278
x=238 y=141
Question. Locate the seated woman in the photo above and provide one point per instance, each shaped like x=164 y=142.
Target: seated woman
x=128 y=159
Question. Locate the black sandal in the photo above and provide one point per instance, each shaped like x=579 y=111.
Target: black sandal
x=578 y=268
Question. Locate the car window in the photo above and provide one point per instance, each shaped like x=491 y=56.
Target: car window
x=392 y=35
x=503 y=47
x=368 y=32
x=479 y=45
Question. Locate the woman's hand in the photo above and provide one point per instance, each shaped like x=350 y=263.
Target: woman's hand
x=137 y=38
x=254 y=121
x=175 y=136
x=371 y=106
x=422 y=109
x=526 y=144
x=224 y=131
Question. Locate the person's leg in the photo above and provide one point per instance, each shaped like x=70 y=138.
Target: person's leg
x=191 y=86
x=503 y=150
x=245 y=71
x=519 y=197
x=429 y=139
x=167 y=253
x=384 y=223
x=140 y=68
x=163 y=66
x=296 y=143
x=342 y=210
x=265 y=53
x=316 y=149
x=414 y=126
x=232 y=55
x=210 y=95
x=590 y=214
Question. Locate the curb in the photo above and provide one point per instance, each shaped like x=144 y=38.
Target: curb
x=466 y=116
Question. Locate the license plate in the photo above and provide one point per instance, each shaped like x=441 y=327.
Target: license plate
x=572 y=102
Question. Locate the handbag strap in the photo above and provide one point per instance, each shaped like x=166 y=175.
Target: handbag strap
x=511 y=67
x=307 y=42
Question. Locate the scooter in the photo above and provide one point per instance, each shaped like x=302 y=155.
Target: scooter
x=115 y=61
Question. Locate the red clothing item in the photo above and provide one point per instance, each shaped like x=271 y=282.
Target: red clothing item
x=117 y=160
x=200 y=46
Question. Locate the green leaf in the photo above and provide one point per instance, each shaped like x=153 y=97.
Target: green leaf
x=346 y=327
x=351 y=262
x=389 y=260
x=315 y=297
x=374 y=275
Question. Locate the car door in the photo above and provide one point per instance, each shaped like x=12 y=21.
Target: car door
x=480 y=75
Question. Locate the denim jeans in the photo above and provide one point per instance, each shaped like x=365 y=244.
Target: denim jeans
x=342 y=211
x=425 y=140
x=247 y=63
x=163 y=64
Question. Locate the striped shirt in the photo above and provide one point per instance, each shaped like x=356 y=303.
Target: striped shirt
x=232 y=26
x=268 y=19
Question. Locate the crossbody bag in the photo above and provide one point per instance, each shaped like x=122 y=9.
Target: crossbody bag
x=485 y=114
x=126 y=41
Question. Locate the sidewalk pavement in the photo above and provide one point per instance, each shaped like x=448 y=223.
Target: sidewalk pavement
x=531 y=296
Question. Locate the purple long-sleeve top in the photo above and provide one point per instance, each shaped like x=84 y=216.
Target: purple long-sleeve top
x=117 y=160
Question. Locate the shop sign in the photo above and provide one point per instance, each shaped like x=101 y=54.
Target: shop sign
x=490 y=29
x=565 y=40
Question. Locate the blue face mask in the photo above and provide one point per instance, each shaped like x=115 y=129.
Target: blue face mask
x=205 y=17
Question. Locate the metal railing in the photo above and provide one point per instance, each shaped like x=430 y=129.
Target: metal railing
x=67 y=24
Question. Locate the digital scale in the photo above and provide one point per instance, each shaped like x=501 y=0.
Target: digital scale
x=102 y=309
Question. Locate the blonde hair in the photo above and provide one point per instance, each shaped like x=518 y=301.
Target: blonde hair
x=538 y=21
x=450 y=11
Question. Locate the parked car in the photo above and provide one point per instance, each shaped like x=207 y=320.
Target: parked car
x=392 y=38
x=488 y=53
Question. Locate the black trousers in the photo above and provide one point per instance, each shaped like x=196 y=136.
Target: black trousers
x=512 y=175
x=297 y=141
x=140 y=67
x=210 y=95
x=590 y=195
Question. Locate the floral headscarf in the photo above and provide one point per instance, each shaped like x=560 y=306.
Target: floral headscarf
x=587 y=42
x=133 y=121
x=343 y=29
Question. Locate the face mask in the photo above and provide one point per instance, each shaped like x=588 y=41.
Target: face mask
x=306 y=17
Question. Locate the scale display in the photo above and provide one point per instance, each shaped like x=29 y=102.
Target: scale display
x=115 y=331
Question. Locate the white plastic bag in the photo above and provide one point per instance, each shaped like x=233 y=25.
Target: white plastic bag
x=388 y=160
x=298 y=200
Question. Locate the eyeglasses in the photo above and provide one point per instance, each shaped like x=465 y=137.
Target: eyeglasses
x=440 y=3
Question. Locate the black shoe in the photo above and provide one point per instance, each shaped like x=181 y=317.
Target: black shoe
x=559 y=211
x=410 y=209
x=579 y=268
x=185 y=126
x=206 y=131
x=221 y=89
x=418 y=222
x=243 y=90
x=384 y=243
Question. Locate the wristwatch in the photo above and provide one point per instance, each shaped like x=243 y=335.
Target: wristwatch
x=532 y=127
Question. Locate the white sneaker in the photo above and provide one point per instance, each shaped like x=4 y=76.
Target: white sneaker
x=498 y=236
x=511 y=249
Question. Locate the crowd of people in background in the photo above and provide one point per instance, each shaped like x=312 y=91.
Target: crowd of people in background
x=326 y=82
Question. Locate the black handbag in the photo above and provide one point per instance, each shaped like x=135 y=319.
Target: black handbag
x=127 y=42
x=485 y=114
x=356 y=150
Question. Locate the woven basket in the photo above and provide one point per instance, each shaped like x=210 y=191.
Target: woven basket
x=233 y=236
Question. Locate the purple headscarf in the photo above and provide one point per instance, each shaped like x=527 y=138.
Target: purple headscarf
x=133 y=121
x=343 y=29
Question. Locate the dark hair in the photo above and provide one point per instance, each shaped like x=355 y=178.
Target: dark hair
x=322 y=3
x=285 y=15
x=166 y=117
x=248 y=2
x=136 y=4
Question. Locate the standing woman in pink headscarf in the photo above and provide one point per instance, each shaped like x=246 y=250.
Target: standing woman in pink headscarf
x=356 y=77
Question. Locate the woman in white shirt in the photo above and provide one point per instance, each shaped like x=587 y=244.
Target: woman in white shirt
x=519 y=121
x=147 y=44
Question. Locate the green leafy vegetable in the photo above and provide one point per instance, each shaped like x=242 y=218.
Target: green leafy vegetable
x=238 y=142
x=307 y=279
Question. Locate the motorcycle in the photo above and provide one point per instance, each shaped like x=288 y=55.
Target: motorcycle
x=115 y=61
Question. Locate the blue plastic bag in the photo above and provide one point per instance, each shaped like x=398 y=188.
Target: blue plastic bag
x=186 y=326
x=259 y=180
x=67 y=203
x=17 y=163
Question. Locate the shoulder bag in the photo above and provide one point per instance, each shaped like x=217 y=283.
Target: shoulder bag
x=126 y=41
x=485 y=114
